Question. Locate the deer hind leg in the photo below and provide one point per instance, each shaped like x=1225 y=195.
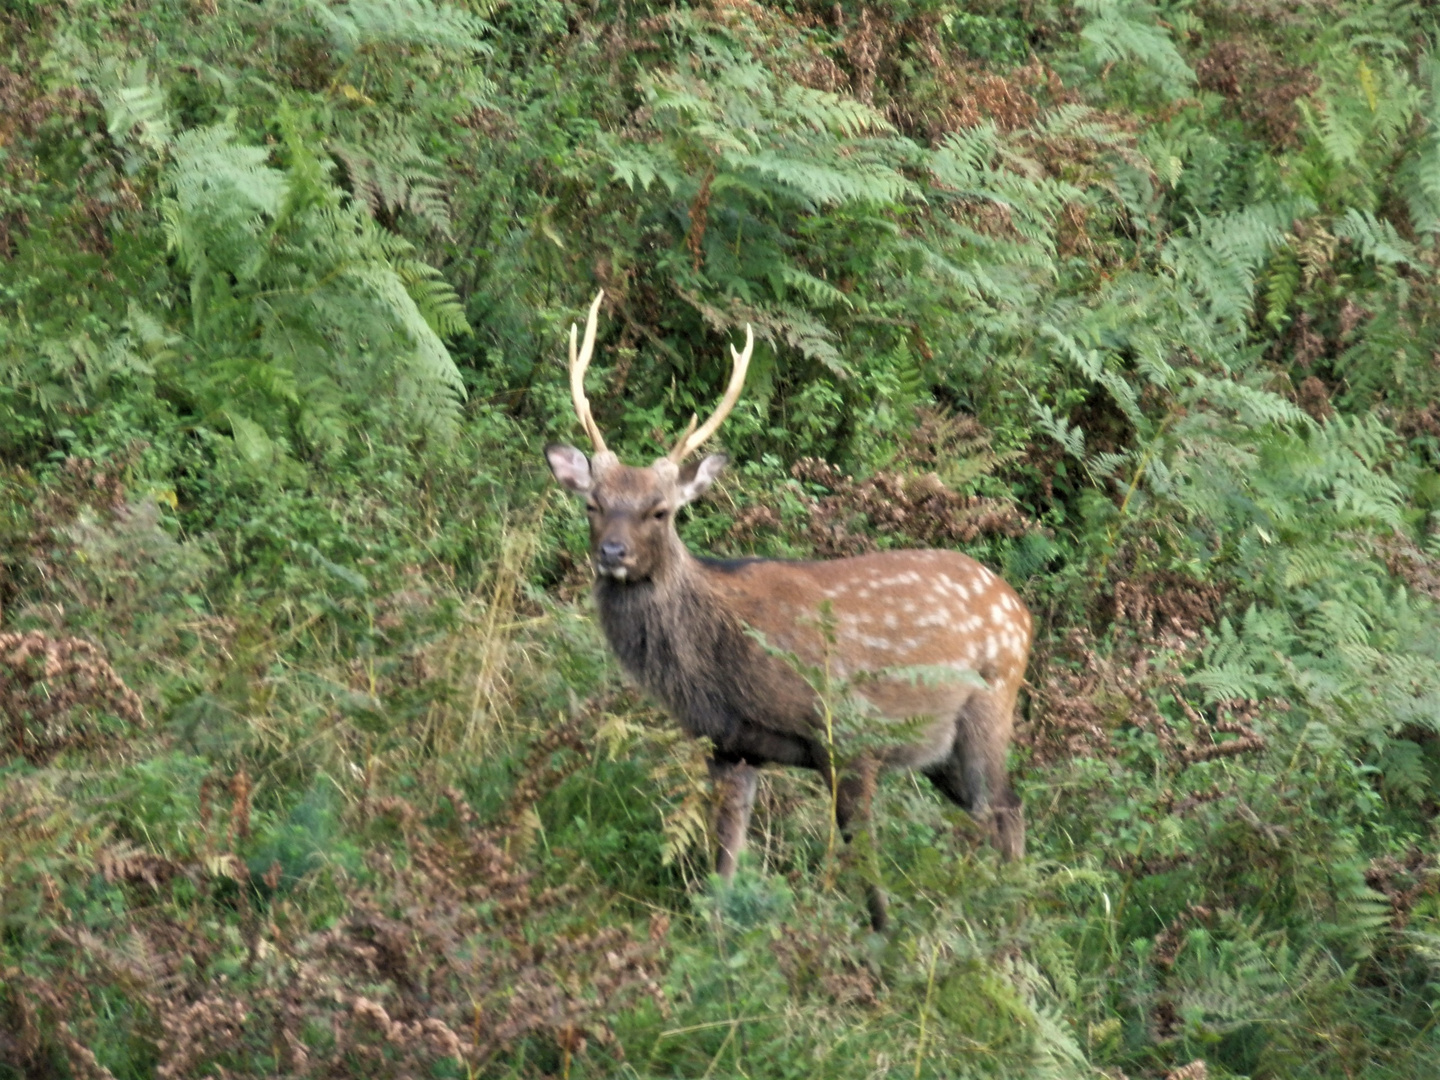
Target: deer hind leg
x=735 y=785
x=853 y=799
x=974 y=777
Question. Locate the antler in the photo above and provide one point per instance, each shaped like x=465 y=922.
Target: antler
x=578 y=364
x=692 y=440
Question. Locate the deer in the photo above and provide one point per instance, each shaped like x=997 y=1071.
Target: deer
x=709 y=639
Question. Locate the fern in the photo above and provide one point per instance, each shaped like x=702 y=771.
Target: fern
x=1377 y=239
x=391 y=175
x=1128 y=31
x=1220 y=256
x=357 y=23
x=1419 y=174
x=343 y=305
x=135 y=108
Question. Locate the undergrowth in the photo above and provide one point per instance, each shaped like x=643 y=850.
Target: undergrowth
x=312 y=760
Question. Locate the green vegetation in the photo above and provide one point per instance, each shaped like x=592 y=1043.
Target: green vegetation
x=312 y=761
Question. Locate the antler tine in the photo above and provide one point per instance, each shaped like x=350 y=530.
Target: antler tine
x=578 y=364
x=692 y=440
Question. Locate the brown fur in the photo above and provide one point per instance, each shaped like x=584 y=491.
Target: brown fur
x=685 y=629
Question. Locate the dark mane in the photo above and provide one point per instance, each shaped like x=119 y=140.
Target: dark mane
x=729 y=566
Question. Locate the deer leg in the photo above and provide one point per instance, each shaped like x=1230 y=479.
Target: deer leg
x=974 y=777
x=853 y=799
x=735 y=785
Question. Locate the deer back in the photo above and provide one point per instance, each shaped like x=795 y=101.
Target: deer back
x=909 y=630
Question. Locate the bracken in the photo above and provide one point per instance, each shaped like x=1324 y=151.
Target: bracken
x=51 y=688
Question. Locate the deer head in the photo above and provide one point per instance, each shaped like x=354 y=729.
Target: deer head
x=632 y=509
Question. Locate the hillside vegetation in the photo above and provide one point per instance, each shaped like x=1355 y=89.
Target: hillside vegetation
x=312 y=759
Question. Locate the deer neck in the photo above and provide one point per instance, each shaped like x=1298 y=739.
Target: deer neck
x=680 y=642
x=660 y=618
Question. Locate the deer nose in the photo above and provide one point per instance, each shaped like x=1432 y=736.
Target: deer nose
x=613 y=551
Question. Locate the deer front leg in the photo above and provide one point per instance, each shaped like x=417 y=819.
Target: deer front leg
x=853 y=800
x=735 y=785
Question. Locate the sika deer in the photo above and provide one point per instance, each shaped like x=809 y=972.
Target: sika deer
x=678 y=625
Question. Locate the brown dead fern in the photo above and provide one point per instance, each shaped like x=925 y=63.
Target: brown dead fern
x=921 y=509
x=53 y=692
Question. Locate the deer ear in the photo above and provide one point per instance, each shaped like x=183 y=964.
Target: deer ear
x=570 y=467
x=696 y=479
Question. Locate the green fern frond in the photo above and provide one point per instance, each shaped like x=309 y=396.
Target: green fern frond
x=390 y=175
x=1377 y=239
x=1129 y=31
x=356 y=23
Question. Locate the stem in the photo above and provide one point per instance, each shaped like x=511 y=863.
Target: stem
x=925 y=1009
x=1139 y=473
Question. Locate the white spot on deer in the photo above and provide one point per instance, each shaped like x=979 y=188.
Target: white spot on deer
x=992 y=648
x=864 y=594
x=890 y=620
x=908 y=608
x=875 y=642
x=997 y=616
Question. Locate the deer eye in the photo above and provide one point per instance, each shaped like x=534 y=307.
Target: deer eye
x=659 y=515
x=592 y=507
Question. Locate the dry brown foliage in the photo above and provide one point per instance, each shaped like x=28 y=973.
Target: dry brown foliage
x=1196 y=1070
x=1404 y=880
x=767 y=29
x=921 y=509
x=1259 y=87
x=1306 y=344
x=1313 y=396
x=452 y=954
x=1169 y=941
x=1421 y=420
x=1235 y=717
x=1419 y=570
x=929 y=87
x=1081 y=694
x=1160 y=603
x=26 y=105
x=80 y=483
x=816 y=961
x=51 y=690
x=38 y=1009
